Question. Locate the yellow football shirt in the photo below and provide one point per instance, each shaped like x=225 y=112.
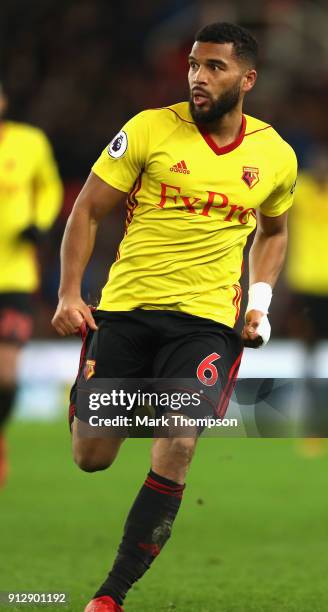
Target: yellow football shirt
x=191 y=206
x=307 y=262
x=30 y=193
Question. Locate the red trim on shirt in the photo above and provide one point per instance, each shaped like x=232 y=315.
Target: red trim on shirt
x=227 y=148
x=177 y=114
x=210 y=141
x=131 y=204
x=259 y=130
x=236 y=300
x=132 y=201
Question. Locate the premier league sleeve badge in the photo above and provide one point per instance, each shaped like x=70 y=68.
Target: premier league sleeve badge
x=118 y=145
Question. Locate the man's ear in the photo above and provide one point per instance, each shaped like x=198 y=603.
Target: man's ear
x=249 y=80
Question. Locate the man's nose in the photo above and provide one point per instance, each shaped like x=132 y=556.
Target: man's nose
x=200 y=76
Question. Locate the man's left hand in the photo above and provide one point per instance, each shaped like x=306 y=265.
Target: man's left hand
x=256 y=331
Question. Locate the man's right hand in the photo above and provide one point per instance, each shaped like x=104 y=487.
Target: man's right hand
x=70 y=314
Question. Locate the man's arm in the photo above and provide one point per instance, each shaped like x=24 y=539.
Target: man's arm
x=47 y=190
x=266 y=259
x=96 y=199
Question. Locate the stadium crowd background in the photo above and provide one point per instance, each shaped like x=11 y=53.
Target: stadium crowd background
x=79 y=70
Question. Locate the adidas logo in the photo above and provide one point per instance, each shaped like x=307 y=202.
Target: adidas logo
x=180 y=167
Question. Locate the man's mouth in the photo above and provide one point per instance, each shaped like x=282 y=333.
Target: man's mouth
x=199 y=97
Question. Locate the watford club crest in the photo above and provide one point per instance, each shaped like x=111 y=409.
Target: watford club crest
x=250 y=176
x=89 y=369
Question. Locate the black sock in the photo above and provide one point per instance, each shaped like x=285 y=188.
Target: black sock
x=146 y=530
x=7 y=397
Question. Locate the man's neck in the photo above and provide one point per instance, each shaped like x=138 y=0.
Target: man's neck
x=227 y=129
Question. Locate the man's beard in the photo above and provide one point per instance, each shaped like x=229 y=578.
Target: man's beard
x=218 y=108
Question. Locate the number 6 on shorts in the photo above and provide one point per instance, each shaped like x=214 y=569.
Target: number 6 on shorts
x=207 y=365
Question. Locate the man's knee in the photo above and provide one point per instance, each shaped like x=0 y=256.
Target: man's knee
x=179 y=450
x=89 y=458
x=93 y=454
x=183 y=449
x=89 y=463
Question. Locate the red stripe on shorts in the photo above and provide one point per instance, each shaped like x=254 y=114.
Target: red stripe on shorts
x=229 y=387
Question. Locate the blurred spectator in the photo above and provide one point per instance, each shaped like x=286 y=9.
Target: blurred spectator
x=30 y=192
x=307 y=264
x=307 y=276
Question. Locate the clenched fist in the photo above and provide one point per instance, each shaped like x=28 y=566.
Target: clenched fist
x=71 y=312
x=257 y=329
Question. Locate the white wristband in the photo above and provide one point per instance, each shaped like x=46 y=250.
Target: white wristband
x=259 y=297
x=264 y=330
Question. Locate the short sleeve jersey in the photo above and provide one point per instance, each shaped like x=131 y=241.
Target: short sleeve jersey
x=30 y=193
x=191 y=206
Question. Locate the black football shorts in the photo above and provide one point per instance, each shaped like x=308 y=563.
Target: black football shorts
x=192 y=354
x=16 y=317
